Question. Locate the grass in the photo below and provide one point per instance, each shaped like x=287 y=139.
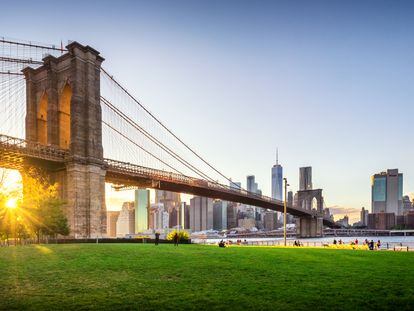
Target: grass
x=145 y=277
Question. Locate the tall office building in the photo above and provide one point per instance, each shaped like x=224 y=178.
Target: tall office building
x=277 y=180
x=111 y=219
x=158 y=217
x=201 y=214
x=232 y=213
x=364 y=217
x=407 y=204
x=125 y=223
x=172 y=204
x=142 y=206
x=185 y=216
x=305 y=178
x=220 y=215
x=387 y=190
x=251 y=185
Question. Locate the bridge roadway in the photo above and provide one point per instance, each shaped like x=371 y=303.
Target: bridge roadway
x=16 y=153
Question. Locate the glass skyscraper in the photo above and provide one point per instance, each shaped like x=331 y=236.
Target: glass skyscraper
x=277 y=182
x=387 y=192
x=142 y=205
x=251 y=184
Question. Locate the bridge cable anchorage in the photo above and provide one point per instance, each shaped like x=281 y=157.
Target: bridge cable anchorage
x=168 y=130
x=142 y=148
x=156 y=141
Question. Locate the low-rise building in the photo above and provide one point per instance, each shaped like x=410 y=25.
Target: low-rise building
x=381 y=221
x=247 y=223
x=344 y=222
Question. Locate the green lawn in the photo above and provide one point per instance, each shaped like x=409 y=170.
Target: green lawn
x=145 y=277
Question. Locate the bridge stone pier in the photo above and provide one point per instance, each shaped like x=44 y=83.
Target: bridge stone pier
x=312 y=201
x=63 y=111
x=309 y=227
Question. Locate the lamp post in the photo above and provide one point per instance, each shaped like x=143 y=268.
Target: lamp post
x=284 y=211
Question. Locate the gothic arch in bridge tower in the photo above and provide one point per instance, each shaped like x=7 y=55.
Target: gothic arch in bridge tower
x=310 y=200
x=41 y=119
x=64 y=116
x=314 y=204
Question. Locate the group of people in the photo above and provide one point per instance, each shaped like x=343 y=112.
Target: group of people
x=371 y=245
x=176 y=238
x=297 y=243
x=223 y=243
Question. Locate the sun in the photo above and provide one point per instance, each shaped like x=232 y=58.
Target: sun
x=11 y=203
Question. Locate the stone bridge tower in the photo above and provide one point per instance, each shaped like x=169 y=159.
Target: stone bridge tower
x=63 y=110
x=311 y=226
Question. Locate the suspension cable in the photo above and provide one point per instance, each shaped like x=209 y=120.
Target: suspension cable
x=167 y=129
x=156 y=141
x=142 y=148
x=2 y=40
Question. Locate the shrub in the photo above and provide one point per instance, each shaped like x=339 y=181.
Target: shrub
x=183 y=235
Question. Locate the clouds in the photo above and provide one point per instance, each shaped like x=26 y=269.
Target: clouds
x=340 y=212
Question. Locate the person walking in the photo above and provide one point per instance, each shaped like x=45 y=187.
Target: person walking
x=157 y=238
x=176 y=239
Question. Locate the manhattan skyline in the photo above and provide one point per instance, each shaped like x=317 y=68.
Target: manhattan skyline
x=327 y=83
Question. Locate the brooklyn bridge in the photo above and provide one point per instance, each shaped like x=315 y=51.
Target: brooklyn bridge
x=63 y=112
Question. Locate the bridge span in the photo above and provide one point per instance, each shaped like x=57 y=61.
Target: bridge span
x=66 y=117
x=16 y=153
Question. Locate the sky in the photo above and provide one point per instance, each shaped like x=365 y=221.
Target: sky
x=329 y=83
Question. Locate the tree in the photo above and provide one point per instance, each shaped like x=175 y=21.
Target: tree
x=42 y=207
x=39 y=211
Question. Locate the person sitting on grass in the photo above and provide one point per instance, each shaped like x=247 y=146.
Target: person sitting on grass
x=222 y=244
x=334 y=242
x=371 y=245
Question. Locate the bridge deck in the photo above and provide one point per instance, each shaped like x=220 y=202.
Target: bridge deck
x=16 y=153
